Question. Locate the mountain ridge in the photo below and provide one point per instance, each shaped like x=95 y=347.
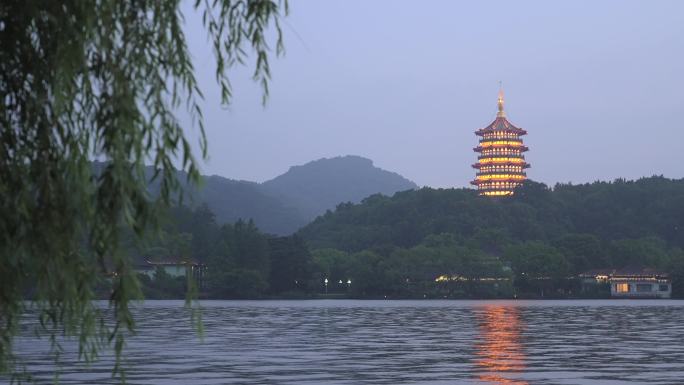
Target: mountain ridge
x=289 y=201
x=322 y=184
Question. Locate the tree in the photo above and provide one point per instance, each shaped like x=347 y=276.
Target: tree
x=291 y=264
x=241 y=252
x=98 y=79
x=330 y=263
x=368 y=278
x=204 y=230
x=583 y=252
x=536 y=259
x=676 y=268
x=647 y=252
x=536 y=265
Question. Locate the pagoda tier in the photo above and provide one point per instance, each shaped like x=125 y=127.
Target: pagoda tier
x=505 y=164
x=500 y=128
x=499 y=145
x=501 y=162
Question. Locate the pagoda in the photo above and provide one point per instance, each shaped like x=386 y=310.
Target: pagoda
x=501 y=163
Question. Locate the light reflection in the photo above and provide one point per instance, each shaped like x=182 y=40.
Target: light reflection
x=499 y=349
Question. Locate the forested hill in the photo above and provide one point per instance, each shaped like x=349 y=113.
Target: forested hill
x=231 y=200
x=288 y=202
x=649 y=207
x=437 y=243
x=321 y=185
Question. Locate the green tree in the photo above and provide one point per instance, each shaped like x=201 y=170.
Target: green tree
x=331 y=263
x=537 y=266
x=646 y=252
x=676 y=267
x=368 y=277
x=608 y=211
x=241 y=249
x=98 y=79
x=582 y=251
x=237 y=283
x=291 y=265
x=536 y=259
x=204 y=231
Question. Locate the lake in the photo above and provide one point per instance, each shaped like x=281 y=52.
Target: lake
x=394 y=342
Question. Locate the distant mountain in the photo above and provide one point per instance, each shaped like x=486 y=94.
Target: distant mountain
x=231 y=200
x=322 y=184
x=286 y=203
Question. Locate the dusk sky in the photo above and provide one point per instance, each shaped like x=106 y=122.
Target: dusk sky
x=598 y=85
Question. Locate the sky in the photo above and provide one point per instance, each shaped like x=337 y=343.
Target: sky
x=598 y=85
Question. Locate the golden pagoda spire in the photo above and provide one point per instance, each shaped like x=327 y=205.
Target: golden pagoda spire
x=500 y=102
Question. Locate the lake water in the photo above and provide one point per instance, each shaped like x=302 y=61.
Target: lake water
x=395 y=342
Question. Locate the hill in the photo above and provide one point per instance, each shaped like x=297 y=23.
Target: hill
x=648 y=207
x=322 y=184
x=231 y=200
x=443 y=243
x=284 y=204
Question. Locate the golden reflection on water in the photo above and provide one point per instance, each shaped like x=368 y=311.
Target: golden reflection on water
x=499 y=349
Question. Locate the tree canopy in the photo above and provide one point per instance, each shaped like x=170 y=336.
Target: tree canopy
x=608 y=211
x=447 y=244
x=540 y=236
x=86 y=80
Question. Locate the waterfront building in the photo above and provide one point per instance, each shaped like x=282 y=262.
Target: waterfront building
x=174 y=267
x=500 y=163
x=640 y=283
x=630 y=282
x=595 y=276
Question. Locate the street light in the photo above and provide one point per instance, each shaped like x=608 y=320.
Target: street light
x=348 y=283
x=326 y=285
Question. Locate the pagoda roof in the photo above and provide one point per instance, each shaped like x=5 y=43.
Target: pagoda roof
x=501 y=124
x=483 y=181
x=496 y=146
x=523 y=164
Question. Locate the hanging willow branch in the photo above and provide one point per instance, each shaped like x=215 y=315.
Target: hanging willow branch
x=84 y=80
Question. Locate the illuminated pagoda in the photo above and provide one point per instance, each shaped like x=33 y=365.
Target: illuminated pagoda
x=501 y=163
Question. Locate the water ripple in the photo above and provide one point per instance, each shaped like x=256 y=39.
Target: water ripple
x=392 y=342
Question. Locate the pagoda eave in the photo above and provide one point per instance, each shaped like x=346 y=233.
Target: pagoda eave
x=518 y=131
x=498 y=188
x=523 y=165
x=508 y=180
x=519 y=148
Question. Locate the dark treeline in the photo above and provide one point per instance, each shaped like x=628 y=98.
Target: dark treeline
x=238 y=260
x=607 y=210
x=528 y=245
x=540 y=236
